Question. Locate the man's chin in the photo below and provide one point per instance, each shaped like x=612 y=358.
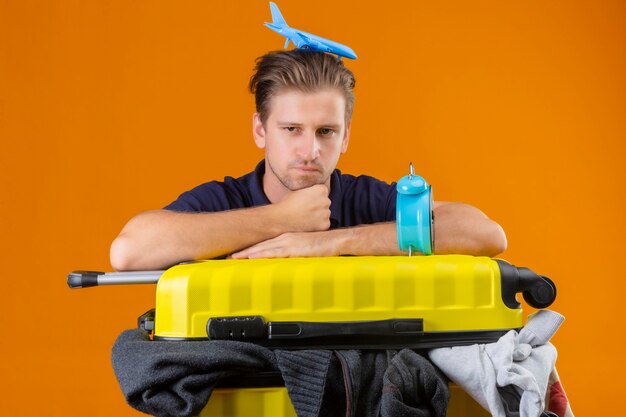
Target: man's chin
x=295 y=184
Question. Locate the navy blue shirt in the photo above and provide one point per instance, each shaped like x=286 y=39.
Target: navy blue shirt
x=354 y=200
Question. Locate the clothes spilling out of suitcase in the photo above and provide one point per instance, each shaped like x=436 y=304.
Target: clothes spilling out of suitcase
x=442 y=335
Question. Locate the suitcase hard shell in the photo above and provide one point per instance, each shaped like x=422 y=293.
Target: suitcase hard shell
x=345 y=302
x=275 y=402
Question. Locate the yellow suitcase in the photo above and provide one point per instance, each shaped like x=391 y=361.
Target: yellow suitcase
x=339 y=303
x=345 y=302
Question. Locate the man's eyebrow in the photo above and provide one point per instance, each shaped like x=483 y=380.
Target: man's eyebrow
x=335 y=126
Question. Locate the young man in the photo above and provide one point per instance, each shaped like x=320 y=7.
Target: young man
x=295 y=203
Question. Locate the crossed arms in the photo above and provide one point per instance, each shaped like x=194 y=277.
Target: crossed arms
x=295 y=226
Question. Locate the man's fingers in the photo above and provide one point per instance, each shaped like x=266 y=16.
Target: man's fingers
x=267 y=249
x=268 y=253
x=263 y=253
x=283 y=246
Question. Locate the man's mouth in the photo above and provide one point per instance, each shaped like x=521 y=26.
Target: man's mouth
x=306 y=168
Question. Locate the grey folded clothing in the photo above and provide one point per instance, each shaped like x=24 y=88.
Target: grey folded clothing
x=305 y=373
x=176 y=379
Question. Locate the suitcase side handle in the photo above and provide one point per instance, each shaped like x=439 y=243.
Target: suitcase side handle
x=362 y=329
x=254 y=328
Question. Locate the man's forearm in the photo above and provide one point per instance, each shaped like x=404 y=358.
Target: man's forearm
x=161 y=238
x=158 y=239
x=459 y=228
x=378 y=239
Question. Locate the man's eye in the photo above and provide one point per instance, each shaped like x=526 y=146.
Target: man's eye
x=326 y=131
x=291 y=129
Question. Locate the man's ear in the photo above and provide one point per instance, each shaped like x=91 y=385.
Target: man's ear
x=258 y=131
x=346 y=138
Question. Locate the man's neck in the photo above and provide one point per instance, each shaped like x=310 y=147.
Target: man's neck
x=274 y=192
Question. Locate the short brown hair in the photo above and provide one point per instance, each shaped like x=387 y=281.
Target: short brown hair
x=304 y=70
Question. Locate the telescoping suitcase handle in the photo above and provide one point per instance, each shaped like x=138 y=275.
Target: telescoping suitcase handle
x=84 y=279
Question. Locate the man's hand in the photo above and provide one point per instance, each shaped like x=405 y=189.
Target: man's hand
x=291 y=245
x=372 y=239
x=306 y=210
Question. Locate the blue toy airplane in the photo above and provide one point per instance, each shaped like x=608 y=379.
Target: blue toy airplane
x=306 y=40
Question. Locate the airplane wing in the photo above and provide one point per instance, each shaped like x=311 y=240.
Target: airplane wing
x=304 y=37
x=311 y=42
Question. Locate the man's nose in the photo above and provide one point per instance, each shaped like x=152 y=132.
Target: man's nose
x=309 y=147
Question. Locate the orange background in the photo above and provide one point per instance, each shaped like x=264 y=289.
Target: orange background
x=109 y=108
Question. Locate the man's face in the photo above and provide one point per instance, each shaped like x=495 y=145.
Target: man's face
x=303 y=137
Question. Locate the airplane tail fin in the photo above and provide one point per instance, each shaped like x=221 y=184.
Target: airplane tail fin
x=277 y=17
